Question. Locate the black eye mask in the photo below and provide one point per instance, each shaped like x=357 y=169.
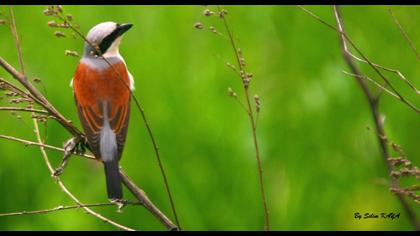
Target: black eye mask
x=108 y=40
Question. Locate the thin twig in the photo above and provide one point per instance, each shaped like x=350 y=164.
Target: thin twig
x=374 y=82
x=410 y=43
x=11 y=87
x=16 y=38
x=23 y=109
x=31 y=143
x=252 y=120
x=61 y=208
x=140 y=194
x=242 y=105
x=373 y=104
x=367 y=61
x=41 y=100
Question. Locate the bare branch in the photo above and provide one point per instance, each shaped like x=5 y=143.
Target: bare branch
x=140 y=194
x=23 y=109
x=16 y=37
x=246 y=81
x=31 y=143
x=374 y=82
x=11 y=87
x=373 y=103
x=61 y=208
x=413 y=48
x=41 y=100
x=364 y=59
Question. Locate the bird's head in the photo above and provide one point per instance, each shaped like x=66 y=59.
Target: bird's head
x=107 y=36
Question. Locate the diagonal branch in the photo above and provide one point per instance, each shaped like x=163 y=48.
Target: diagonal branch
x=364 y=59
x=21 y=78
x=140 y=194
x=374 y=82
x=373 y=104
x=410 y=43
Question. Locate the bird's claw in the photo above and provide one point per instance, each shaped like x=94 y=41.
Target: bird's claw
x=121 y=203
x=73 y=145
x=58 y=171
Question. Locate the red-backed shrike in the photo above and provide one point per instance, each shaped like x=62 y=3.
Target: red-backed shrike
x=102 y=93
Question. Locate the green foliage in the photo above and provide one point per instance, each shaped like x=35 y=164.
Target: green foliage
x=321 y=162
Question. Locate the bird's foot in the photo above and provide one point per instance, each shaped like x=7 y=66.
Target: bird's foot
x=121 y=203
x=73 y=145
x=58 y=171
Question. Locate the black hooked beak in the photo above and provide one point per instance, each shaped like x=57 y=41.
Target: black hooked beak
x=122 y=28
x=108 y=40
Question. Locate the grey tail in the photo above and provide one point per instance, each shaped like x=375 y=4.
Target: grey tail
x=109 y=155
x=113 y=179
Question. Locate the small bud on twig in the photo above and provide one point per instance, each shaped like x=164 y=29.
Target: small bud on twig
x=239 y=52
x=198 y=25
x=257 y=102
x=222 y=13
x=10 y=94
x=59 y=34
x=60 y=8
x=48 y=12
x=212 y=29
x=64 y=25
x=207 y=12
x=69 y=17
x=242 y=61
x=246 y=82
x=71 y=53
x=231 y=66
x=52 y=23
x=231 y=92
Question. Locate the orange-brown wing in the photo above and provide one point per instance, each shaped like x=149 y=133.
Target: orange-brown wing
x=98 y=92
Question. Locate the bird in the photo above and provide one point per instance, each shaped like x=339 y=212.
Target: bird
x=102 y=87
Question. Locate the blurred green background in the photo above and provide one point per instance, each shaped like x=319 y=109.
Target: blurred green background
x=321 y=161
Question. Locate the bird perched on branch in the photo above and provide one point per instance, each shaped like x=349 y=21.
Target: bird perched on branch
x=102 y=88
